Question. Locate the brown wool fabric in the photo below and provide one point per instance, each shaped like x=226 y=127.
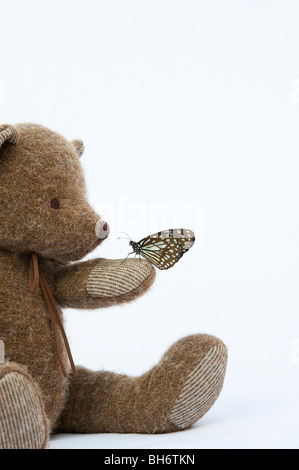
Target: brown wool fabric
x=45 y=211
x=2 y=352
x=145 y=404
x=102 y=282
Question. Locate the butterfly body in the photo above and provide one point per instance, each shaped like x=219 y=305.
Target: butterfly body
x=136 y=247
x=164 y=249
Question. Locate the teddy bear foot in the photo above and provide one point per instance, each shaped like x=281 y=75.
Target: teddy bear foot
x=185 y=384
x=172 y=396
x=206 y=364
x=23 y=422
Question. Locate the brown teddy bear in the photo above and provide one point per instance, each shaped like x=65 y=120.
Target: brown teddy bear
x=46 y=226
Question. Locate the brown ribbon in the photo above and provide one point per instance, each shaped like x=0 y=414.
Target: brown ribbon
x=36 y=278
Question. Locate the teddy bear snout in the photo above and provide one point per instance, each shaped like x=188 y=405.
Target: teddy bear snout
x=102 y=229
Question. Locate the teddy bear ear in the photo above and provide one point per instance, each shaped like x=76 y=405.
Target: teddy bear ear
x=8 y=133
x=79 y=146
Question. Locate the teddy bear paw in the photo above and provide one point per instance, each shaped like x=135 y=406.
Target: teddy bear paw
x=112 y=279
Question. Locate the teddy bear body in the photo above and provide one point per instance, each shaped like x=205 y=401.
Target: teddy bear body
x=27 y=331
x=45 y=216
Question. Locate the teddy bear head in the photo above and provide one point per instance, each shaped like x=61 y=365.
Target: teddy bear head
x=43 y=203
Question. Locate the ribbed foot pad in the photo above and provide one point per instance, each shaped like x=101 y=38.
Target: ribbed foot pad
x=23 y=423
x=201 y=389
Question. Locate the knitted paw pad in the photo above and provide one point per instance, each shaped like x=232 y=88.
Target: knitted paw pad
x=201 y=389
x=117 y=277
x=23 y=423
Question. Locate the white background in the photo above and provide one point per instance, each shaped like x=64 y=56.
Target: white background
x=194 y=105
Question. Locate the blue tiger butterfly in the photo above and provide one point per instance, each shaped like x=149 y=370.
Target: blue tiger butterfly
x=164 y=249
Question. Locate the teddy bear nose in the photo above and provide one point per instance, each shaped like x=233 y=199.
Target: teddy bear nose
x=102 y=229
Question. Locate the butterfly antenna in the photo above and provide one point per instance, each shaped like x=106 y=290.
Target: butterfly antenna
x=127 y=237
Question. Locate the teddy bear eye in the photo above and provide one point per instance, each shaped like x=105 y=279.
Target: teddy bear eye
x=55 y=204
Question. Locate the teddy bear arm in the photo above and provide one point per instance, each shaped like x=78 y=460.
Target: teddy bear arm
x=102 y=283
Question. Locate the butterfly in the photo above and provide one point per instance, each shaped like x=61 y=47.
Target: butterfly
x=164 y=249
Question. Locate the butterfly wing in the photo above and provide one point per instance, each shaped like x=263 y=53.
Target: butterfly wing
x=164 y=249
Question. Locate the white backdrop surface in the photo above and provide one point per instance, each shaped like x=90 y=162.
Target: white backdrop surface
x=190 y=116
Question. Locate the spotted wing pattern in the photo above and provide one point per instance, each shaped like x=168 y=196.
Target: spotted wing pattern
x=164 y=249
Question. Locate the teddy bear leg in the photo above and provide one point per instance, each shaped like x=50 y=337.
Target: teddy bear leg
x=172 y=396
x=23 y=421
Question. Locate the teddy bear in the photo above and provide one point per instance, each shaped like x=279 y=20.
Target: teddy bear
x=47 y=227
